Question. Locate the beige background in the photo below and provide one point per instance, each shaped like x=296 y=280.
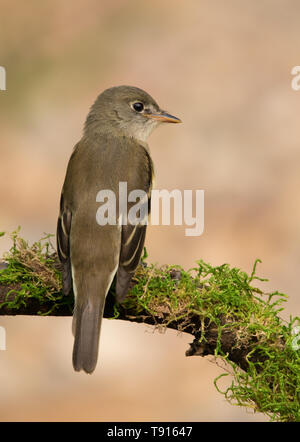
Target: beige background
x=224 y=67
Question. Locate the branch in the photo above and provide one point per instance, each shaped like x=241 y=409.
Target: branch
x=11 y=305
x=218 y=306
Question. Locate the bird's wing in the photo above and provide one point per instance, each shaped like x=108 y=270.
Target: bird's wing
x=63 y=244
x=132 y=243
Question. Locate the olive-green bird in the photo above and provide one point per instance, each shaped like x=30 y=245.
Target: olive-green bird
x=113 y=149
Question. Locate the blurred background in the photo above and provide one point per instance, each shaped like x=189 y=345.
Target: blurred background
x=224 y=68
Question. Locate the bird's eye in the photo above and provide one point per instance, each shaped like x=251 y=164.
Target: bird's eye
x=138 y=106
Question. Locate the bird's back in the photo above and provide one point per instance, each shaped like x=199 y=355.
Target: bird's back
x=131 y=164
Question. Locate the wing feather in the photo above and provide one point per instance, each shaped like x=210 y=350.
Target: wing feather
x=63 y=245
x=132 y=244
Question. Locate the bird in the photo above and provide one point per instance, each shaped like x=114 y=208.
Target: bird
x=113 y=149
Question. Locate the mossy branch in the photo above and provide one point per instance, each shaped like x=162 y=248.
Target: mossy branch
x=220 y=307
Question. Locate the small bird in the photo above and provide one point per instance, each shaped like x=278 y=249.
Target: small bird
x=113 y=149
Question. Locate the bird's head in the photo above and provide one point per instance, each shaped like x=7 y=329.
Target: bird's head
x=127 y=109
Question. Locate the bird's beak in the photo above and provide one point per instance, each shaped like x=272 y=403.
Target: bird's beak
x=164 y=117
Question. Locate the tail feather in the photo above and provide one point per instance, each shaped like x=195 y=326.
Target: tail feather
x=86 y=326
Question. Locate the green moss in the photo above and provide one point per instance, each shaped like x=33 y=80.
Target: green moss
x=216 y=293
x=271 y=384
x=33 y=273
x=224 y=296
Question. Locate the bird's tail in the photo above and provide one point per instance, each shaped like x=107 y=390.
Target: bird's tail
x=86 y=327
